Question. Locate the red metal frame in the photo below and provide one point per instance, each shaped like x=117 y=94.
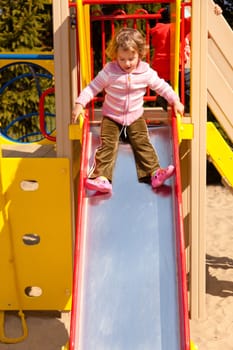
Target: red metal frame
x=120 y=16
x=111 y=2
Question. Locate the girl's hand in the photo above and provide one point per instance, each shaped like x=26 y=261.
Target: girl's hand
x=178 y=108
x=77 y=110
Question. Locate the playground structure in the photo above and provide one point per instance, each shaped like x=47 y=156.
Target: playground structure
x=39 y=66
x=42 y=176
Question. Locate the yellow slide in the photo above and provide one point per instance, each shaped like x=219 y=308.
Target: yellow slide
x=220 y=92
x=220 y=154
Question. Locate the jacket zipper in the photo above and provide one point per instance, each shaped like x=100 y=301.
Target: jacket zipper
x=128 y=80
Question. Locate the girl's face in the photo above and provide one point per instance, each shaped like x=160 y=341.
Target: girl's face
x=127 y=59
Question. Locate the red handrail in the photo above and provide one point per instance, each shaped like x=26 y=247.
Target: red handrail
x=78 y=238
x=41 y=114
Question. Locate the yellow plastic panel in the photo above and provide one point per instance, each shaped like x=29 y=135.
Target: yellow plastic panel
x=65 y=347
x=75 y=132
x=185 y=130
x=220 y=153
x=35 y=236
x=46 y=64
x=193 y=346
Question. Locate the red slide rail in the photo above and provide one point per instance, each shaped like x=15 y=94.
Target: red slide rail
x=79 y=221
x=180 y=243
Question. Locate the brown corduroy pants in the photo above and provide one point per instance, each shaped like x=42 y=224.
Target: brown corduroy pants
x=146 y=158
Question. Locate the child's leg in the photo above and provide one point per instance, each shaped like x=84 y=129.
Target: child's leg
x=106 y=153
x=146 y=158
x=147 y=162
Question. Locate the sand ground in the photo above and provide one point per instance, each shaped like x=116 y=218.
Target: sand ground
x=49 y=331
x=215 y=332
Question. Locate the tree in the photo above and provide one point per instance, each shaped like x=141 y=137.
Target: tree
x=24 y=25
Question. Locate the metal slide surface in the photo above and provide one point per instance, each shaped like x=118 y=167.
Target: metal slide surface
x=127 y=295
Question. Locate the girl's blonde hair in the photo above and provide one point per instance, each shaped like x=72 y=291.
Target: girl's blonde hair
x=127 y=39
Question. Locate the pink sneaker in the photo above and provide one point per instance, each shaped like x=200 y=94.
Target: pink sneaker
x=161 y=175
x=100 y=184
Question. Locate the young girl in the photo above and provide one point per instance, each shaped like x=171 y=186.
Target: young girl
x=124 y=81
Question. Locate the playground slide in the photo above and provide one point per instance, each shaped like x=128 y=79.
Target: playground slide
x=127 y=287
x=220 y=76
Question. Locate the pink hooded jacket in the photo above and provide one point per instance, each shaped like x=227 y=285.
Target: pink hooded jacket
x=125 y=91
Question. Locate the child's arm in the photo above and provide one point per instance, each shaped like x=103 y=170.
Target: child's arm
x=87 y=94
x=166 y=91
